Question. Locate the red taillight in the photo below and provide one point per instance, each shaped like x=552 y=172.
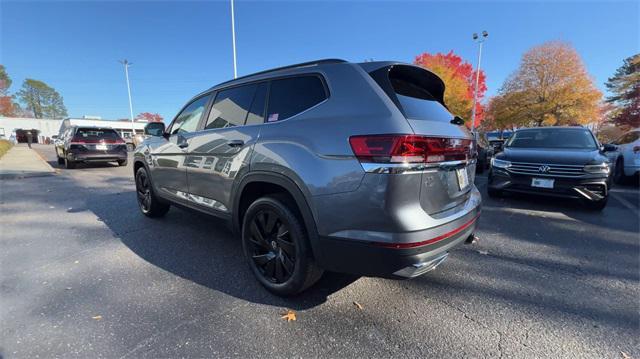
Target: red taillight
x=409 y=148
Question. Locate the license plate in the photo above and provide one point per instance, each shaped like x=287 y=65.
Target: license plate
x=101 y=147
x=542 y=182
x=463 y=178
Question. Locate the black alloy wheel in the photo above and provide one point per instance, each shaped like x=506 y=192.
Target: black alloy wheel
x=143 y=190
x=277 y=247
x=272 y=250
x=147 y=201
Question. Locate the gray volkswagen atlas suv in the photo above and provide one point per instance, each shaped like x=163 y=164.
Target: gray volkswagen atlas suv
x=326 y=165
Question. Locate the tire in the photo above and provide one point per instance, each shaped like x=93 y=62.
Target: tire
x=597 y=206
x=148 y=202
x=618 y=174
x=130 y=147
x=69 y=164
x=480 y=166
x=277 y=248
x=123 y=162
x=60 y=160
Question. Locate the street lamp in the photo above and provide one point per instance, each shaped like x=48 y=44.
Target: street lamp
x=480 y=41
x=233 y=39
x=126 y=74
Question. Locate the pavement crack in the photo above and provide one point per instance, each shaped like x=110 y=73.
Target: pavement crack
x=501 y=335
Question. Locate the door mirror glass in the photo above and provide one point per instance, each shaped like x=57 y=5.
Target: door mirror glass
x=154 y=129
x=607 y=147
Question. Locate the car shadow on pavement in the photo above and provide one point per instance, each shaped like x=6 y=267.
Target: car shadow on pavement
x=201 y=249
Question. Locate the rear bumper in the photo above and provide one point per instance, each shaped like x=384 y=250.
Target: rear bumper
x=99 y=156
x=409 y=255
x=592 y=188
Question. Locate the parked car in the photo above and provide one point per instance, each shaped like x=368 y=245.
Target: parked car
x=626 y=158
x=328 y=165
x=485 y=152
x=554 y=161
x=497 y=138
x=90 y=144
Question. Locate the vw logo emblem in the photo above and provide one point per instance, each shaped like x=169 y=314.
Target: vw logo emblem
x=544 y=169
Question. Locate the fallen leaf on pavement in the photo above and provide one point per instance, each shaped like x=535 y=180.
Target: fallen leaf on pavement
x=289 y=315
x=97 y=317
x=625 y=355
x=358 y=305
x=483 y=252
x=76 y=262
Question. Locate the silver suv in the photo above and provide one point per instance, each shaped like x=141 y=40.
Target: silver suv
x=327 y=165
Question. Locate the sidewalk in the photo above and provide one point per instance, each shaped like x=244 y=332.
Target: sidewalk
x=21 y=162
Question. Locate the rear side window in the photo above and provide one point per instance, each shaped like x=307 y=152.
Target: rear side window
x=256 y=114
x=231 y=107
x=96 y=134
x=290 y=96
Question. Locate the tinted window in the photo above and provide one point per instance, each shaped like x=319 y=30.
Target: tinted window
x=231 y=107
x=96 y=134
x=628 y=138
x=188 y=119
x=290 y=96
x=256 y=114
x=553 y=138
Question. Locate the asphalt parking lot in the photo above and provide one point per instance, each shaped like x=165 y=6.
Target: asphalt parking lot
x=84 y=274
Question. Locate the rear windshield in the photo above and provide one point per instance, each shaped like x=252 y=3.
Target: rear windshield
x=419 y=92
x=97 y=134
x=416 y=101
x=564 y=138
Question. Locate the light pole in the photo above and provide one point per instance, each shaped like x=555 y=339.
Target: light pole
x=126 y=74
x=480 y=41
x=233 y=39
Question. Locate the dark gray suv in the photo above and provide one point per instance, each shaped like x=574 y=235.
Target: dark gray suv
x=327 y=165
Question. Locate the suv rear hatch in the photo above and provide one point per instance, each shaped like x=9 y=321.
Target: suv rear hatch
x=446 y=147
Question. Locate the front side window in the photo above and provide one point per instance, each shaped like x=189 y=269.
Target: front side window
x=188 y=119
x=628 y=138
x=560 y=138
x=231 y=107
x=290 y=96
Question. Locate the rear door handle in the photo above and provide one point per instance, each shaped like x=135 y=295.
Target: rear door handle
x=235 y=143
x=183 y=144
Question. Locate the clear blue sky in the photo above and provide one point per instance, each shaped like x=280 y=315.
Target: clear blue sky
x=181 y=48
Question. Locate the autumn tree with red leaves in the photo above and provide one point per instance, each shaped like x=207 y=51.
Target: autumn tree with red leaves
x=459 y=78
x=7 y=106
x=149 y=117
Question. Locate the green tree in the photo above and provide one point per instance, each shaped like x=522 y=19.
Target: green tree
x=5 y=81
x=625 y=89
x=41 y=99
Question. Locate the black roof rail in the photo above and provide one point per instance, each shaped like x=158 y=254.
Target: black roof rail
x=303 y=64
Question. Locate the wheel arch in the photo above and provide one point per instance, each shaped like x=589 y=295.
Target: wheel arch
x=258 y=184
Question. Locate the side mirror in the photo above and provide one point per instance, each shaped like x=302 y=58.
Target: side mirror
x=154 y=129
x=607 y=147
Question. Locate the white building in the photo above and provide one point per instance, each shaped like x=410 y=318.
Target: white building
x=47 y=128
